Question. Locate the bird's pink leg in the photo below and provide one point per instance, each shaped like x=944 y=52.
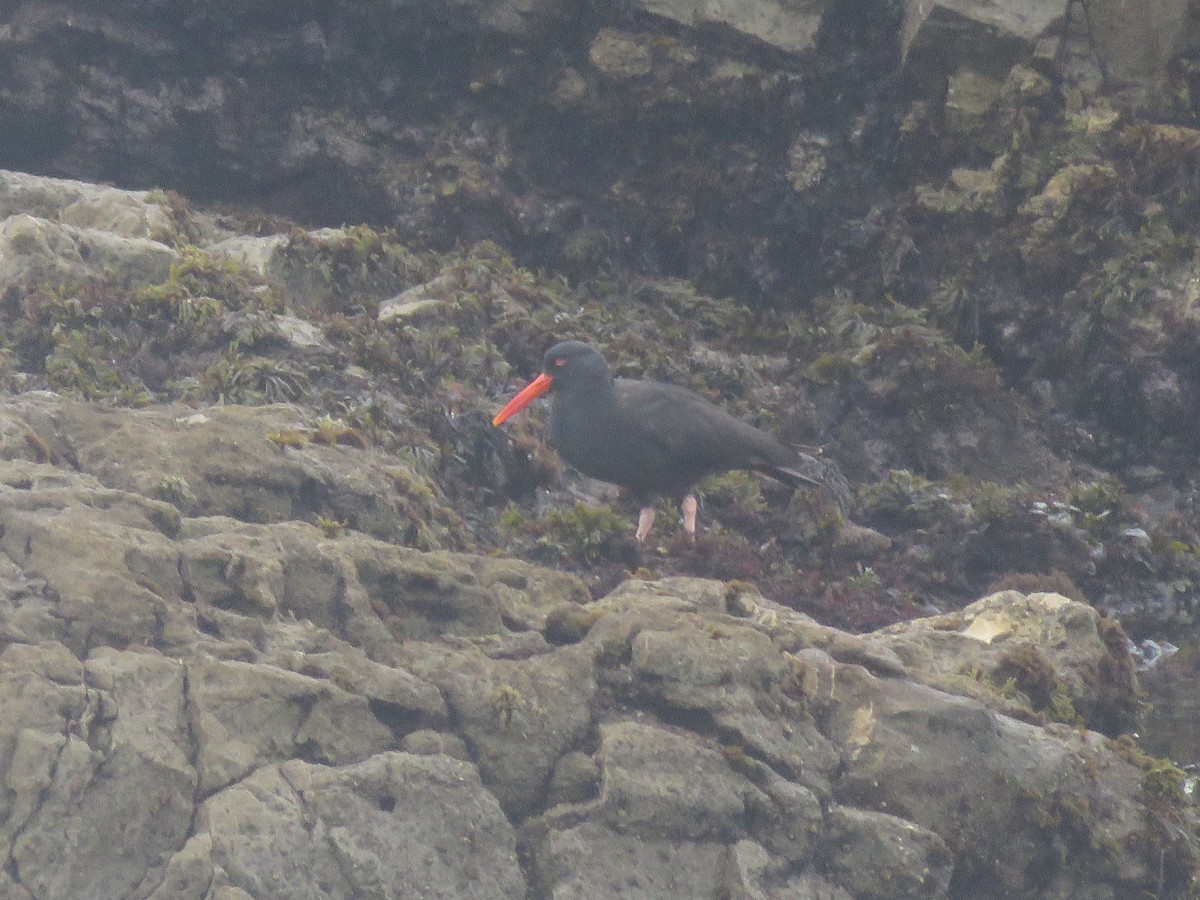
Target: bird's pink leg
x=689 y=506
x=645 y=523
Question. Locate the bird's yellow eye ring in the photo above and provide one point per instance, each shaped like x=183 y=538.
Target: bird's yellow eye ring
x=560 y=362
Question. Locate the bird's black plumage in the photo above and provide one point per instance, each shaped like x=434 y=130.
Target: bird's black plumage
x=652 y=438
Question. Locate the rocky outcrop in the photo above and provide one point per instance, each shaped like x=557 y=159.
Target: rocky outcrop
x=260 y=636
x=224 y=701
x=1108 y=43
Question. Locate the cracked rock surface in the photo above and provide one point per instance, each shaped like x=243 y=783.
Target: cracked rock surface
x=198 y=705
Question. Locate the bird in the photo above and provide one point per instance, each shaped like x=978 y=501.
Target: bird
x=652 y=438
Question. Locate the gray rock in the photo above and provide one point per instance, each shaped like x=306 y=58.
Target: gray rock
x=517 y=716
x=576 y=778
x=127 y=214
x=1041 y=650
x=881 y=857
x=117 y=767
x=37 y=252
x=660 y=785
x=394 y=825
x=43 y=691
x=904 y=745
x=416 y=302
x=592 y=861
x=325 y=268
x=231 y=467
x=256 y=253
x=786 y=818
x=301 y=336
x=97 y=552
x=727 y=671
x=434 y=743
x=246 y=715
x=752 y=875
x=398 y=698
x=791 y=27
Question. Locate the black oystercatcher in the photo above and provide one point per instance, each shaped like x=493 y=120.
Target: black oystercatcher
x=652 y=438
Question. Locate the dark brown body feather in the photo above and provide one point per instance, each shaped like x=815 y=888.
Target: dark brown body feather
x=653 y=438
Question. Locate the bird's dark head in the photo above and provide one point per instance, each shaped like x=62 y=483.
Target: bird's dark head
x=573 y=362
x=565 y=366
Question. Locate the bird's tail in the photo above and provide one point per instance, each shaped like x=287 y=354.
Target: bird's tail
x=791 y=476
x=809 y=471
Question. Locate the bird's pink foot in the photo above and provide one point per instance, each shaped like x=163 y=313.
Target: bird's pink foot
x=689 y=507
x=645 y=523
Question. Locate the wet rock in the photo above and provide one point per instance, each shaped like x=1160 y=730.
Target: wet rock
x=938 y=38
x=1119 y=48
x=807 y=160
x=1104 y=47
x=619 y=55
x=965 y=191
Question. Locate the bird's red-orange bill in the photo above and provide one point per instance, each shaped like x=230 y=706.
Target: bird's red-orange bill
x=528 y=394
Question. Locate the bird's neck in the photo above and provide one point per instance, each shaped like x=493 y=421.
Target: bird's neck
x=597 y=389
x=585 y=406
